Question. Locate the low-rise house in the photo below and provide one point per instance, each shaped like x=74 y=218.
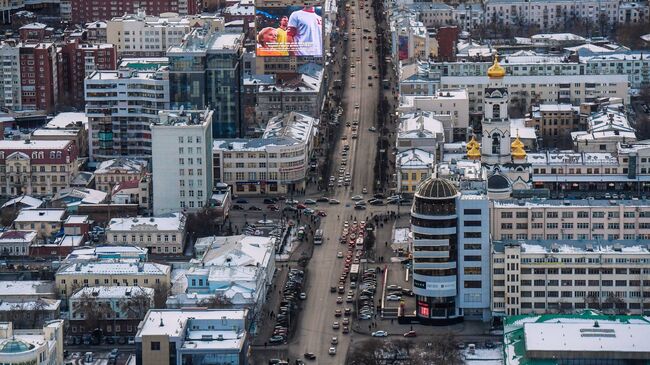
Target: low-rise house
x=24 y=201
x=115 y=310
x=16 y=243
x=160 y=235
x=71 y=198
x=111 y=173
x=30 y=313
x=45 y=222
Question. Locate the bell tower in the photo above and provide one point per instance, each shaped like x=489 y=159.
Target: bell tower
x=495 y=141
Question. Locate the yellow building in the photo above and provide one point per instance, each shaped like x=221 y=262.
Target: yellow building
x=103 y=273
x=413 y=166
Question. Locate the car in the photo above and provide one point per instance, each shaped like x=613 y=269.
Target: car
x=273 y=208
x=332 y=289
x=339 y=300
x=360 y=207
x=346 y=330
x=364 y=190
x=372 y=129
x=270 y=200
x=376 y=202
x=360 y=202
x=308 y=211
x=356 y=106
x=334 y=201
x=380 y=334
x=252 y=207
x=355 y=136
x=310 y=356
x=237 y=207
x=339 y=255
x=334 y=340
x=332 y=351
x=323 y=199
x=357 y=197
x=241 y=201
x=303 y=296
x=346 y=321
x=410 y=334
x=393 y=297
x=347 y=311
x=321 y=213
x=336 y=325
x=310 y=201
x=276 y=339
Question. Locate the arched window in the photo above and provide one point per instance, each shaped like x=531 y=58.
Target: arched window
x=496 y=111
x=496 y=143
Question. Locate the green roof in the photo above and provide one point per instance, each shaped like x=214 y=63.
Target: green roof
x=143 y=66
x=15 y=346
x=514 y=347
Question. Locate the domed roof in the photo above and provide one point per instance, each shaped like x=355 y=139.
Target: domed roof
x=436 y=188
x=517 y=143
x=496 y=71
x=474 y=153
x=498 y=182
x=15 y=346
x=472 y=144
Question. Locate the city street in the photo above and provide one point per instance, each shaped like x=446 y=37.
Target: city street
x=315 y=331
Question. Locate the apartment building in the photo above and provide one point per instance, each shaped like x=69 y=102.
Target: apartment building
x=11 y=93
x=38 y=76
x=450 y=246
x=556 y=276
x=77 y=61
x=37 y=167
x=110 y=173
x=182 y=161
x=142 y=35
x=159 y=235
x=83 y=11
x=276 y=163
x=121 y=105
x=410 y=38
x=570 y=219
x=554 y=122
x=301 y=93
x=634 y=12
x=170 y=336
x=205 y=72
x=73 y=276
x=450 y=106
x=66 y=126
x=548 y=14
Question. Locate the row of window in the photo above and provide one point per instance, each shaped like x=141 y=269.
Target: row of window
x=578 y=214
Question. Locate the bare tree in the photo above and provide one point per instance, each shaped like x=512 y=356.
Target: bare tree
x=162 y=291
x=137 y=304
x=441 y=350
x=87 y=308
x=592 y=302
x=216 y=301
x=367 y=353
x=616 y=304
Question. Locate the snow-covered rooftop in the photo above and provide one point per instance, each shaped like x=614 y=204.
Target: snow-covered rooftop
x=171 y=222
x=40 y=215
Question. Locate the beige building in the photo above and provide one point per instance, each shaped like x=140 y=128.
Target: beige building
x=563 y=277
x=450 y=106
x=38 y=346
x=554 y=122
x=44 y=222
x=160 y=235
x=111 y=173
x=73 y=276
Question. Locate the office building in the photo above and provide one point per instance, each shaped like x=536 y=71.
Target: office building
x=276 y=163
x=183 y=336
x=451 y=272
x=159 y=235
x=115 y=129
x=205 y=73
x=37 y=167
x=35 y=345
x=182 y=160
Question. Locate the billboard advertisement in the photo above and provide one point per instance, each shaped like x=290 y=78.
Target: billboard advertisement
x=403 y=47
x=289 y=31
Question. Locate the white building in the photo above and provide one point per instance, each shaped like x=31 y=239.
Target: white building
x=548 y=14
x=633 y=12
x=450 y=106
x=141 y=35
x=276 y=163
x=32 y=346
x=410 y=37
x=605 y=130
x=202 y=335
x=566 y=276
x=182 y=160
x=160 y=235
x=11 y=92
x=16 y=243
x=123 y=307
x=115 y=129
x=420 y=130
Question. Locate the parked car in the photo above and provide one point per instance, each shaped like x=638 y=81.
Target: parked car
x=380 y=334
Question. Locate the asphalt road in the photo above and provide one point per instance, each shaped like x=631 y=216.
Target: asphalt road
x=314 y=332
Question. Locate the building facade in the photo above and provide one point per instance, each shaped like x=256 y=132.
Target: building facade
x=11 y=93
x=16 y=243
x=182 y=160
x=37 y=167
x=554 y=122
x=110 y=173
x=83 y=11
x=450 y=248
x=38 y=76
x=160 y=235
x=121 y=105
x=205 y=73
x=34 y=346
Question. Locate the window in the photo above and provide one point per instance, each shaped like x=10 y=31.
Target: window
x=155 y=346
x=473 y=284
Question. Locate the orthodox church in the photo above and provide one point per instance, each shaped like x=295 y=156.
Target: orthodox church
x=504 y=160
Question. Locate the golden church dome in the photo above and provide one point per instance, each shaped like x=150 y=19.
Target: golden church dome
x=472 y=144
x=496 y=71
x=517 y=143
x=474 y=153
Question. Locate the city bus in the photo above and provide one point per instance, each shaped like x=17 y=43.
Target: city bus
x=354 y=272
x=318 y=237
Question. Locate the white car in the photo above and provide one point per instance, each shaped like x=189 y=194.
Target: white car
x=357 y=197
x=372 y=129
x=364 y=190
x=332 y=351
x=339 y=255
x=380 y=334
x=394 y=298
x=334 y=201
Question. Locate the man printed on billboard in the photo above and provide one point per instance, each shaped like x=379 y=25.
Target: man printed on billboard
x=305 y=32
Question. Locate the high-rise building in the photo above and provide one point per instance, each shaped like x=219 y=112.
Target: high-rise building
x=182 y=160
x=83 y=11
x=38 y=76
x=120 y=106
x=451 y=250
x=11 y=97
x=205 y=72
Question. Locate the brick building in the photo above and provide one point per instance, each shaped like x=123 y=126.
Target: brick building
x=83 y=11
x=38 y=76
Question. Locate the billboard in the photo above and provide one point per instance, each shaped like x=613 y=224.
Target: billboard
x=403 y=47
x=289 y=31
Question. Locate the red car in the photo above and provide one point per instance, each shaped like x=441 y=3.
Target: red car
x=410 y=334
x=272 y=208
x=321 y=213
x=301 y=206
